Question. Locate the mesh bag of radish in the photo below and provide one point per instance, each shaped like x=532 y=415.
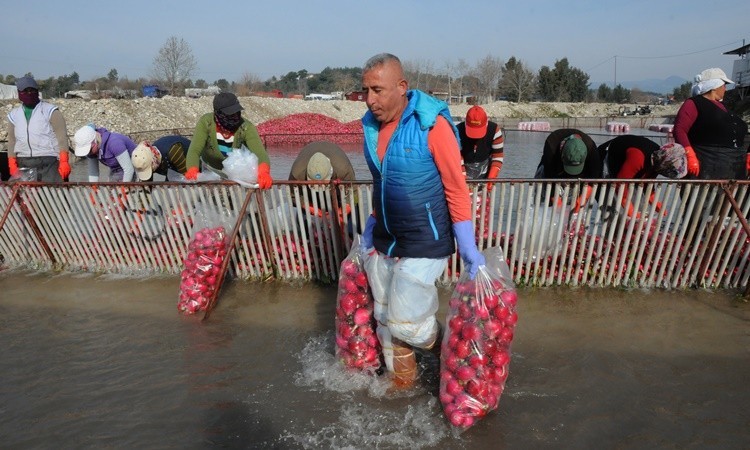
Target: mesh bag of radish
x=206 y=252
x=357 y=345
x=475 y=352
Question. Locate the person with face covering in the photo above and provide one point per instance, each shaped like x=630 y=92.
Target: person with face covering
x=713 y=137
x=219 y=132
x=37 y=136
x=421 y=210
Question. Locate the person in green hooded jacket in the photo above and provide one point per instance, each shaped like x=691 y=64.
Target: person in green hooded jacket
x=219 y=132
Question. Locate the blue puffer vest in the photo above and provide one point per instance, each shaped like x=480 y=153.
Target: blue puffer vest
x=408 y=196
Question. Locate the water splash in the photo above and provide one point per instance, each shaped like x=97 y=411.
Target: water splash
x=385 y=423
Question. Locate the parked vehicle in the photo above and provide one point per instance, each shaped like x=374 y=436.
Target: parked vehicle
x=637 y=111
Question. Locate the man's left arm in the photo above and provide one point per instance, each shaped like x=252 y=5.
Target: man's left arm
x=444 y=148
x=497 y=153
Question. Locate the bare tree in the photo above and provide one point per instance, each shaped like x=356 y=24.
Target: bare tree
x=344 y=82
x=462 y=69
x=248 y=83
x=412 y=72
x=174 y=63
x=518 y=81
x=450 y=69
x=488 y=72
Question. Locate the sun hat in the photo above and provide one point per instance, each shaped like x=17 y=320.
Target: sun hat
x=710 y=79
x=574 y=153
x=476 y=122
x=670 y=160
x=714 y=74
x=25 y=83
x=227 y=103
x=319 y=167
x=83 y=139
x=145 y=160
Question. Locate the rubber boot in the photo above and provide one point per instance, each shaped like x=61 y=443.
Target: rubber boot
x=404 y=365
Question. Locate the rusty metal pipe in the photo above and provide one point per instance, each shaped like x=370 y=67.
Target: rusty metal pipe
x=227 y=259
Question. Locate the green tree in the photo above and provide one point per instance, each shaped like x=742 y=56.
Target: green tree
x=112 y=76
x=620 y=94
x=563 y=83
x=683 y=92
x=604 y=93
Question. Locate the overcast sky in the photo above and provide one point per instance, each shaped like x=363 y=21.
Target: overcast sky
x=627 y=40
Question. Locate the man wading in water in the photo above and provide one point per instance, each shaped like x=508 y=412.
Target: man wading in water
x=421 y=203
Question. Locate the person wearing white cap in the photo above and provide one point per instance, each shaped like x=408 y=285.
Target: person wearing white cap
x=322 y=161
x=154 y=161
x=712 y=135
x=111 y=149
x=37 y=136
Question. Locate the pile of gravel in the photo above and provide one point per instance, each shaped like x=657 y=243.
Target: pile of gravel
x=179 y=114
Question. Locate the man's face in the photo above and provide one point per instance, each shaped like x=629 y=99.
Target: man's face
x=385 y=91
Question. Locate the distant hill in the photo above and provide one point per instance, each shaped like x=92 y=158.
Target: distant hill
x=665 y=86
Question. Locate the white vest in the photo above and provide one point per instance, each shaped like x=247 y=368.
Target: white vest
x=35 y=138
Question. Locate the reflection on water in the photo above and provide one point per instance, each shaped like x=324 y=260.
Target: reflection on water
x=93 y=361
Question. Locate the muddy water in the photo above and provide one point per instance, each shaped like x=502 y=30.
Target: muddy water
x=97 y=361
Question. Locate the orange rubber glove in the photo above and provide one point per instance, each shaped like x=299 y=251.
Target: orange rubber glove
x=192 y=173
x=694 y=166
x=493 y=173
x=264 y=176
x=13 y=166
x=64 y=168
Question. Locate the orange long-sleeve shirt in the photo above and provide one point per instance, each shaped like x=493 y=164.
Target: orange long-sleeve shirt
x=444 y=148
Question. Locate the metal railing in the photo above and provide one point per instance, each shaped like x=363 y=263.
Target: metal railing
x=631 y=233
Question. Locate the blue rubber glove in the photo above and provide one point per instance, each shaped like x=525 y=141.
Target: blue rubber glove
x=366 y=241
x=467 y=247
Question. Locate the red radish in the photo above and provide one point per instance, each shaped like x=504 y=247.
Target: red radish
x=361 y=279
x=465 y=373
x=456 y=323
x=463 y=349
x=362 y=316
x=347 y=302
x=471 y=332
x=509 y=298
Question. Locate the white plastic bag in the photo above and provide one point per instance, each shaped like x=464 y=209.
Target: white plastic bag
x=242 y=166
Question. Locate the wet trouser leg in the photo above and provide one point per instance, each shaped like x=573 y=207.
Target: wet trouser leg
x=406 y=301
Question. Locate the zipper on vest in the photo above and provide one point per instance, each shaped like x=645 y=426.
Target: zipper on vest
x=432 y=220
